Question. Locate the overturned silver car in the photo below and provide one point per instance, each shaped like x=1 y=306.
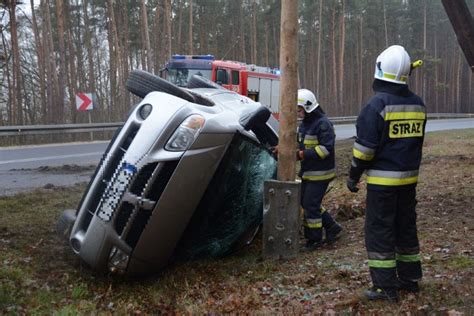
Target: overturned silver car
x=183 y=178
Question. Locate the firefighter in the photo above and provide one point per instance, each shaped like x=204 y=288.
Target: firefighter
x=388 y=147
x=316 y=140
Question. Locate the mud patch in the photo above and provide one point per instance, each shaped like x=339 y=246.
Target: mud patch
x=24 y=180
x=65 y=169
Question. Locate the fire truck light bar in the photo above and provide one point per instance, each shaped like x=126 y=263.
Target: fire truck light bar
x=202 y=57
x=205 y=57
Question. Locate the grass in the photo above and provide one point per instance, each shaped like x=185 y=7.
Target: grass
x=40 y=275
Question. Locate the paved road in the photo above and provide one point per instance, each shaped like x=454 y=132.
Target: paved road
x=27 y=167
x=27 y=157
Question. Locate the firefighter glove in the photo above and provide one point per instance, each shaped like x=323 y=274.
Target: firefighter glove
x=352 y=185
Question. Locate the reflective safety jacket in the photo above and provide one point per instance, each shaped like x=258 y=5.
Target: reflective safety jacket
x=316 y=139
x=390 y=133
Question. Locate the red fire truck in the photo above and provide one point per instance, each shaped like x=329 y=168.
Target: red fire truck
x=261 y=84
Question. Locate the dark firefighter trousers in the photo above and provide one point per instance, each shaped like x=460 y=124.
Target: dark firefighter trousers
x=315 y=216
x=391 y=236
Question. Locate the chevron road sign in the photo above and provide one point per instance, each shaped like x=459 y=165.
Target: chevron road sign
x=84 y=101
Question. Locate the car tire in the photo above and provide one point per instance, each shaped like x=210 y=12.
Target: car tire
x=141 y=83
x=201 y=82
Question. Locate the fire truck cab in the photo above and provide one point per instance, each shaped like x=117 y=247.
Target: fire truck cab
x=180 y=68
x=261 y=84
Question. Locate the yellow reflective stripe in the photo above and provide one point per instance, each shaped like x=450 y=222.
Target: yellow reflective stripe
x=391 y=181
x=320 y=152
x=408 y=258
x=313 y=225
x=382 y=264
x=390 y=116
x=320 y=177
x=311 y=142
x=394 y=77
x=322 y=209
x=362 y=156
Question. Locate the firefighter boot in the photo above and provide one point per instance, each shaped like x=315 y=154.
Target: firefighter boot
x=409 y=286
x=376 y=293
x=312 y=245
x=333 y=233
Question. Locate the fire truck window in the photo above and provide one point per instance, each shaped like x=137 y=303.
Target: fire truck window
x=235 y=77
x=222 y=76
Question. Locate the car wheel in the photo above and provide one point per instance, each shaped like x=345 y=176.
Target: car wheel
x=141 y=83
x=201 y=82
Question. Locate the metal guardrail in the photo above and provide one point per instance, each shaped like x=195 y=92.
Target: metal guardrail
x=61 y=128
x=97 y=127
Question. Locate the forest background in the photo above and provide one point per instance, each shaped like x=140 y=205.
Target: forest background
x=53 y=49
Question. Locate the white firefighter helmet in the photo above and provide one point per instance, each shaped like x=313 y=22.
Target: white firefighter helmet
x=393 y=65
x=307 y=100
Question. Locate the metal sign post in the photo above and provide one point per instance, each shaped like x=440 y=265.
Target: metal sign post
x=282 y=197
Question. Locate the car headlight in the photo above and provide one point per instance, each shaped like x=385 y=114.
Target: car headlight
x=186 y=133
x=145 y=111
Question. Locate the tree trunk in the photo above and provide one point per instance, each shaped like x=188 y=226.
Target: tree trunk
x=157 y=38
x=424 y=78
x=320 y=42
x=341 y=72
x=288 y=90
x=179 y=43
x=167 y=19
x=8 y=76
x=254 y=33
x=457 y=98
x=17 y=110
x=88 y=44
x=52 y=72
x=146 y=46
x=359 y=75
x=70 y=61
x=242 y=32
x=62 y=60
x=332 y=36
x=41 y=63
x=112 y=72
x=267 y=62
x=385 y=28
x=190 y=27
x=115 y=61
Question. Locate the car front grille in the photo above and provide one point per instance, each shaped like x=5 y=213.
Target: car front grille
x=146 y=189
x=110 y=162
x=122 y=194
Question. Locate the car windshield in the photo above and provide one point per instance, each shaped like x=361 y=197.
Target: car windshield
x=180 y=76
x=232 y=207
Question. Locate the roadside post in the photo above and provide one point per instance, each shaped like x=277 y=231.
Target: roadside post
x=84 y=102
x=282 y=197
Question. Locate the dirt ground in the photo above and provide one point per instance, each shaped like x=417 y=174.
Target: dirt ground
x=25 y=180
x=40 y=275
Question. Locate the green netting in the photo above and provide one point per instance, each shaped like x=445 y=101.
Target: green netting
x=232 y=207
